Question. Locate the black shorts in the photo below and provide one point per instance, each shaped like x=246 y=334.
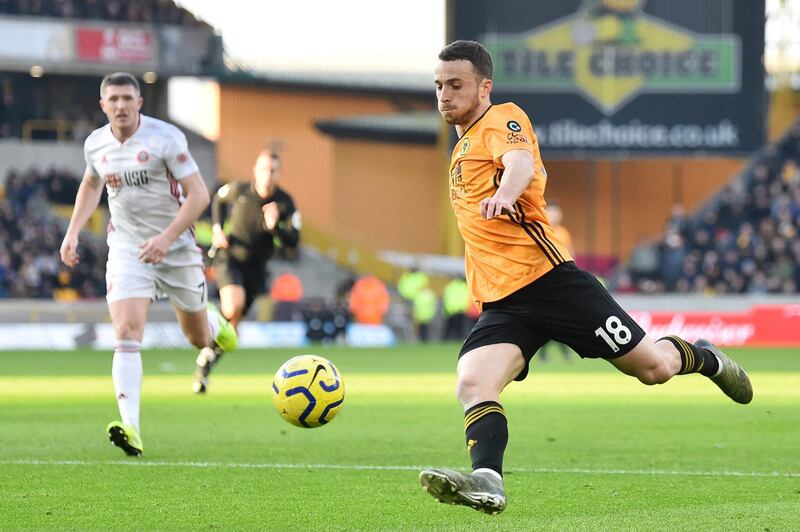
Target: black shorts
x=251 y=275
x=566 y=304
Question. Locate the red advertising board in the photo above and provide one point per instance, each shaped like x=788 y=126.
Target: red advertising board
x=764 y=326
x=114 y=45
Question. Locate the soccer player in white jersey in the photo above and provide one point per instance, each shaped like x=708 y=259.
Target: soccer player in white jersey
x=155 y=194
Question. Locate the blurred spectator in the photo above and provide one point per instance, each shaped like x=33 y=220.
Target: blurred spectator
x=677 y=222
x=555 y=216
x=424 y=312
x=644 y=260
x=455 y=304
x=369 y=300
x=411 y=282
x=672 y=254
x=287 y=294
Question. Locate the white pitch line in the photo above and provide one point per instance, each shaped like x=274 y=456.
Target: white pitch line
x=356 y=467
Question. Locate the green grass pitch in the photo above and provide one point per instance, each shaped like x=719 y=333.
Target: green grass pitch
x=590 y=448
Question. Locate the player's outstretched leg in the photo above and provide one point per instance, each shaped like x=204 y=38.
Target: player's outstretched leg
x=481 y=490
x=126 y=437
x=705 y=358
x=731 y=377
x=225 y=341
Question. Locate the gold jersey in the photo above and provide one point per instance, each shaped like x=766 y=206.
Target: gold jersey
x=513 y=250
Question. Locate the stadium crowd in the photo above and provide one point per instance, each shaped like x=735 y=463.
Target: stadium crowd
x=135 y=11
x=747 y=241
x=30 y=237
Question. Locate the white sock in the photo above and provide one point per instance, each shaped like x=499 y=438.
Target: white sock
x=126 y=371
x=206 y=354
x=213 y=323
x=487 y=470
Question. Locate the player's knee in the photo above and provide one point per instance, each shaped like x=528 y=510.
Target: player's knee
x=128 y=331
x=654 y=374
x=469 y=389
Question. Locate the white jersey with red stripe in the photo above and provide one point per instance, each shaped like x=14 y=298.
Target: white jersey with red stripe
x=142 y=177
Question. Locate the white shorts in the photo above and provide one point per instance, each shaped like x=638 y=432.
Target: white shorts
x=128 y=277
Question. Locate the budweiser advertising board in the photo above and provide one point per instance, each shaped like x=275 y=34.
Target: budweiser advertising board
x=765 y=326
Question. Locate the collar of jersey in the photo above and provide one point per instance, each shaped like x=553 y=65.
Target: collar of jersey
x=122 y=143
x=475 y=122
x=271 y=197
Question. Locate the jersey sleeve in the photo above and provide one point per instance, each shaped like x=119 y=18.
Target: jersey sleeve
x=226 y=194
x=288 y=209
x=509 y=131
x=289 y=224
x=179 y=161
x=90 y=169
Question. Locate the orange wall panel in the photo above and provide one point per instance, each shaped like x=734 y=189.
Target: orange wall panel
x=647 y=196
x=702 y=181
x=389 y=196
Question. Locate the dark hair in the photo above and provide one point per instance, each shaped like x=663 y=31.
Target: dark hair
x=471 y=51
x=119 y=78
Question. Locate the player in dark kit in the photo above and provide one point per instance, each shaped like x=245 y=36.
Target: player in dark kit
x=526 y=283
x=261 y=215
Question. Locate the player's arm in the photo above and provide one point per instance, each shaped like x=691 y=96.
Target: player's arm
x=517 y=175
x=288 y=229
x=196 y=193
x=224 y=196
x=86 y=200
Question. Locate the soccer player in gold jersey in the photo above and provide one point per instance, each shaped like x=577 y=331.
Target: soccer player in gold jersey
x=526 y=283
